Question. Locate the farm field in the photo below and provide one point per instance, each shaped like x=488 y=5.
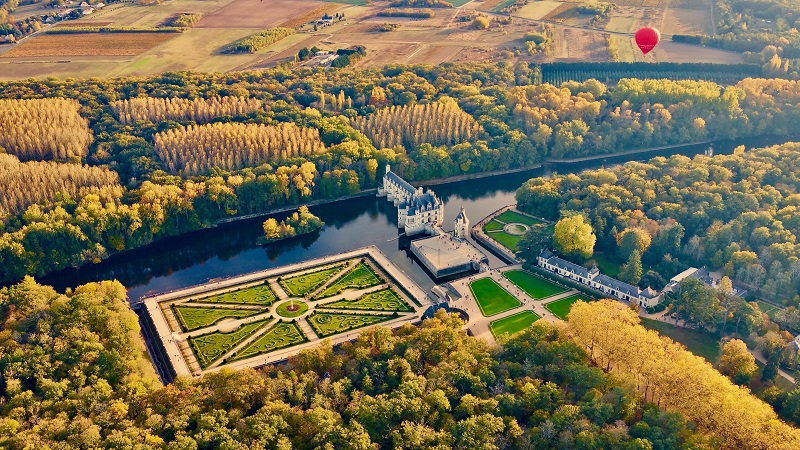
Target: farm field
x=512 y=325
x=281 y=335
x=561 y=308
x=260 y=15
x=299 y=285
x=382 y=300
x=256 y=295
x=210 y=347
x=533 y=285
x=360 y=277
x=193 y=318
x=625 y=48
x=688 y=18
x=622 y=24
x=492 y=299
x=536 y=10
x=327 y=324
x=88 y=44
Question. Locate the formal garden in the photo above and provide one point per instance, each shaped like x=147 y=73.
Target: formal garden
x=255 y=295
x=282 y=335
x=533 y=285
x=329 y=323
x=361 y=276
x=291 y=309
x=307 y=283
x=196 y=317
x=509 y=227
x=560 y=308
x=210 y=347
x=492 y=298
x=511 y=325
x=236 y=322
x=382 y=300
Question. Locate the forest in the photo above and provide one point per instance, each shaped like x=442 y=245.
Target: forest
x=191 y=149
x=76 y=376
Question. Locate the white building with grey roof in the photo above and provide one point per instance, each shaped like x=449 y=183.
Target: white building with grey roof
x=418 y=211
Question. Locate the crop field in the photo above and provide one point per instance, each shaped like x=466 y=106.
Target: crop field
x=210 y=347
x=533 y=285
x=280 y=336
x=193 y=318
x=537 y=10
x=688 y=18
x=260 y=15
x=256 y=295
x=382 y=300
x=300 y=285
x=360 y=277
x=622 y=24
x=492 y=299
x=512 y=325
x=560 y=308
x=515 y=217
x=88 y=44
x=327 y=324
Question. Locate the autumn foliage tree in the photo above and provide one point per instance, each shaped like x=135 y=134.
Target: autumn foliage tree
x=669 y=375
x=198 y=110
x=39 y=182
x=228 y=146
x=439 y=123
x=43 y=129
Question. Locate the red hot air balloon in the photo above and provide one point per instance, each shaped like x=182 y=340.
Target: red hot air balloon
x=647 y=38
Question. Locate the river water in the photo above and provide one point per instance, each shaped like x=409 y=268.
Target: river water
x=231 y=249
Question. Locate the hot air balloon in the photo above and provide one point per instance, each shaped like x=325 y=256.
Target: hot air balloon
x=647 y=38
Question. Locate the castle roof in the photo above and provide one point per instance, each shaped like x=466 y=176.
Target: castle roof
x=403 y=184
x=566 y=265
x=462 y=215
x=426 y=201
x=615 y=284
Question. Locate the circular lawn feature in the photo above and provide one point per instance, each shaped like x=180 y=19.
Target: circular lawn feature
x=287 y=309
x=516 y=229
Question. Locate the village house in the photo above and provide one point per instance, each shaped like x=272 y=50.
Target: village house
x=596 y=280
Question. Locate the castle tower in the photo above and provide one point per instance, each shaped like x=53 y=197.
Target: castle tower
x=461 y=225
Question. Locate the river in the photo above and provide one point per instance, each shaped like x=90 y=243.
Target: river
x=231 y=249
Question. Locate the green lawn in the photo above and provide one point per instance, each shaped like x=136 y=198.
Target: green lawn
x=508 y=241
x=256 y=295
x=300 y=285
x=770 y=310
x=282 y=335
x=283 y=309
x=360 y=277
x=512 y=325
x=328 y=324
x=533 y=285
x=193 y=318
x=561 y=308
x=383 y=300
x=515 y=217
x=700 y=344
x=493 y=225
x=491 y=297
x=606 y=266
x=210 y=347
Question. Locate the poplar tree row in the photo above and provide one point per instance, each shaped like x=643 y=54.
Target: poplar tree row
x=38 y=182
x=48 y=128
x=199 y=110
x=669 y=375
x=440 y=123
x=229 y=146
